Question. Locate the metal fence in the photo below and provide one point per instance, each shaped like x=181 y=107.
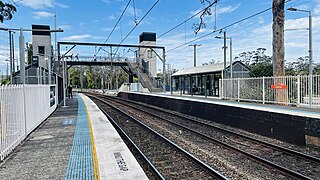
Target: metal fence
x=22 y=109
x=300 y=91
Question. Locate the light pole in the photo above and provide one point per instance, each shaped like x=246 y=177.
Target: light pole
x=310 y=51
x=195 y=53
x=231 y=69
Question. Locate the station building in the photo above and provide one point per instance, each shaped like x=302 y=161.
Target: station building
x=204 y=80
x=147 y=56
x=41 y=43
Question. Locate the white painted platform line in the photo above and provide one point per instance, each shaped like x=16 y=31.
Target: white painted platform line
x=114 y=158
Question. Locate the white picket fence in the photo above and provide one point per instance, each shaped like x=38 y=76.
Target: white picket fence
x=286 y=90
x=22 y=109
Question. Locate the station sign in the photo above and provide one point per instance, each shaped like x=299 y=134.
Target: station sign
x=279 y=86
x=35 y=61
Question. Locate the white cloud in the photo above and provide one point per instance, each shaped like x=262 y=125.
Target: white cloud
x=111 y=17
x=244 y=39
x=227 y=9
x=65 y=27
x=41 y=4
x=131 y=11
x=316 y=10
x=220 y=9
x=42 y=14
x=82 y=25
x=261 y=20
x=109 y=29
x=106 y=1
x=77 y=37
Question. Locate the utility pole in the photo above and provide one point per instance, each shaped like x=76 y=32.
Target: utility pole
x=22 y=58
x=310 y=87
x=231 y=68
x=12 y=44
x=224 y=54
x=11 y=56
x=195 y=53
x=55 y=49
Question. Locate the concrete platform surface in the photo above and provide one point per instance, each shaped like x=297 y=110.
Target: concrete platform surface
x=296 y=111
x=45 y=153
x=115 y=160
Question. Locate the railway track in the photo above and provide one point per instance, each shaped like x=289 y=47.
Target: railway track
x=166 y=159
x=297 y=164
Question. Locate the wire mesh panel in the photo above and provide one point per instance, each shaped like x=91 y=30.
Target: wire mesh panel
x=301 y=91
x=22 y=109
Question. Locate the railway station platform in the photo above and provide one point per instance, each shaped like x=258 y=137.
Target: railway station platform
x=299 y=126
x=75 y=142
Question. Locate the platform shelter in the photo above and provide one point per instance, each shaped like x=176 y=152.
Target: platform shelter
x=204 y=80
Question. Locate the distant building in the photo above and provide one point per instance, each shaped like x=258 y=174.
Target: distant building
x=41 y=43
x=206 y=78
x=147 y=56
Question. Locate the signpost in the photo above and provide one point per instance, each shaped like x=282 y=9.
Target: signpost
x=279 y=86
x=35 y=61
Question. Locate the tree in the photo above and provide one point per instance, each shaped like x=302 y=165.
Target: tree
x=298 y=67
x=90 y=79
x=209 y=63
x=259 y=63
x=317 y=69
x=206 y=12
x=6 y=11
x=278 y=37
x=261 y=69
x=278 y=47
x=29 y=53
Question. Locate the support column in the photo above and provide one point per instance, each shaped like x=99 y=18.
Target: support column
x=191 y=83
x=22 y=58
x=130 y=78
x=180 y=82
x=164 y=70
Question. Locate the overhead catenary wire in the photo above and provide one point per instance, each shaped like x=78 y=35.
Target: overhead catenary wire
x=119 y=19
x=139 y=22
x=145 y=15
x=191 y=17
x=223 y=28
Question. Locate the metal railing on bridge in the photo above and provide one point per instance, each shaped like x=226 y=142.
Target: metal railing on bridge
x=286 y=90
x=22 y=109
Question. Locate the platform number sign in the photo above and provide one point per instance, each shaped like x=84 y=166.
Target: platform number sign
x=35 y=61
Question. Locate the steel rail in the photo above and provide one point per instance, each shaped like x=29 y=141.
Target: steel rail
x=203 y=165
x=122 y=132
x=254 y=157
x=274 y=146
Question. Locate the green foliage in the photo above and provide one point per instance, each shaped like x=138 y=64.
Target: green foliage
x=29 y=52
x=90 y=79
x=74 y=75
x=298 y=67
x=259 y=63
x=261 y=69
x=317 y=69
x=6 y=11
x=5 y=81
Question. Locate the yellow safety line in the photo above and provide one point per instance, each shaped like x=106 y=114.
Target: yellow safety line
x=94 y=153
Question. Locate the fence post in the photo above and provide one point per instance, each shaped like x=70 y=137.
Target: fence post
x=24 y=110
x=221 y=88
x=298 y=90
x=239 y=89
x=263 y=90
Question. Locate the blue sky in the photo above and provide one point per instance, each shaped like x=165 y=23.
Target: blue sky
x=92 y=21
